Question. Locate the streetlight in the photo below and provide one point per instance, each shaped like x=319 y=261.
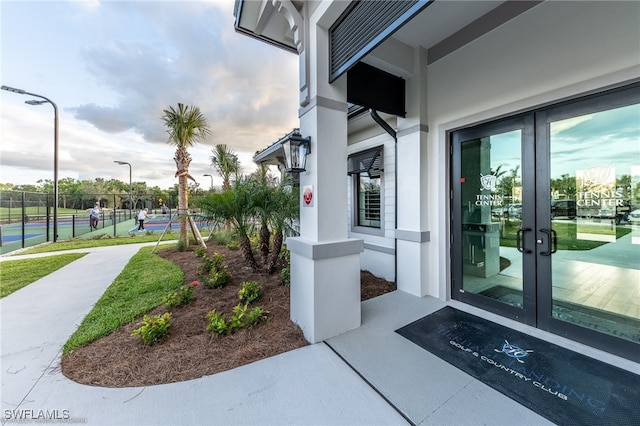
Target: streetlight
x=206 y=174
x=55 y=149
x=122 y=163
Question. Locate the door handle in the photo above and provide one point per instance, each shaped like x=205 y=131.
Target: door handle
x=553 y=241
x=519 y=246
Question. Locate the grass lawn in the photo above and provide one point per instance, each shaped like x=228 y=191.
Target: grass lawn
x=15 y=274
x=138 y=289
x=101 y=242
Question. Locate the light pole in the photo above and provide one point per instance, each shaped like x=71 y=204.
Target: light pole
x=55 y=149
x=211 y=179
x=122 y=163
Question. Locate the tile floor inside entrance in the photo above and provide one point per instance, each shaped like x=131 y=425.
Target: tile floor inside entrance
x=598 y=288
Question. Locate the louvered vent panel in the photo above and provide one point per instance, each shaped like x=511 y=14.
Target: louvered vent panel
x=360 y=25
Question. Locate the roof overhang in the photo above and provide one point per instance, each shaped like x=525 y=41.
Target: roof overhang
x=260 y=19
x=273 y=154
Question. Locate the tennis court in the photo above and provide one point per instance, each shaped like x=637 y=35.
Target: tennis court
x=17 y=235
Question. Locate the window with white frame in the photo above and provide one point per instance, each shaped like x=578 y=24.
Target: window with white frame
x=366 y=170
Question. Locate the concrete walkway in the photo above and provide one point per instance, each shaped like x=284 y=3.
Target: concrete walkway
x=311 y=385
x=368 y=376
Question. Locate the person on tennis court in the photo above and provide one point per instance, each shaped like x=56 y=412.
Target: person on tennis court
x=94 y=216
x=142 y=215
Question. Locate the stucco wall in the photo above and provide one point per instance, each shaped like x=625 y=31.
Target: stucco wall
x=554 y=51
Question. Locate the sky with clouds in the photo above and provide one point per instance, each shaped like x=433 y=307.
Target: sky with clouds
x=112 y=67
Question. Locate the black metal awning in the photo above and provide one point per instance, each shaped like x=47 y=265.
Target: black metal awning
x=369 y=161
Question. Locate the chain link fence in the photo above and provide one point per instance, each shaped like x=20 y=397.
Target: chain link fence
x=27 y=218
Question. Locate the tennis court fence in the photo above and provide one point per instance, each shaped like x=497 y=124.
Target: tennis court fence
x=27 y=218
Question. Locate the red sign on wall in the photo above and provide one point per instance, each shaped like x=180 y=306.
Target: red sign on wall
x=307 y=196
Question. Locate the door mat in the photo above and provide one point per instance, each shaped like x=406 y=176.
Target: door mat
x=597 y=319
x=561 y=385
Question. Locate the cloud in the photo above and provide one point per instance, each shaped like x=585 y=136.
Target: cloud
x=114 y=66
x=192 y=55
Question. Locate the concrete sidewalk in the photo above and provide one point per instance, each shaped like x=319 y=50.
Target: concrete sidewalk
x=311 y=385
x=367 y=376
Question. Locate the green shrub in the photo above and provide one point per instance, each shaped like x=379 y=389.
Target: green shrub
x=222 y=237
x=213 y=263
x=233 y=245
x=181 y=296
x=153 y=328
x=217 y=323
x=238 y=317
x=285 y=274
x=249 y=291
x=201 y=252
x=218 y=279
x=285 y=255
x=218 y=260
x=256 y=316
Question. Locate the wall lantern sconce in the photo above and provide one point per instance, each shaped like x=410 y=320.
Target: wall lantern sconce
x=296 y=148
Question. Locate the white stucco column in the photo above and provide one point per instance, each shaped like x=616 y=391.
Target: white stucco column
x=325 y=263
x=412 y=232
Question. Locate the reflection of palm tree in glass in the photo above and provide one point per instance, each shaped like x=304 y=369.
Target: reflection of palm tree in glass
x=507 y=184
x=564 y=187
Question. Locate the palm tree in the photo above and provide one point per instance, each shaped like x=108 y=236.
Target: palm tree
x=263 y=199
x=186 y=125
x=225 y=162
x=286 y=211
x=234 y=206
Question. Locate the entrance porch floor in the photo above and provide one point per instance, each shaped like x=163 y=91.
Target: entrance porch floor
x=425 y=389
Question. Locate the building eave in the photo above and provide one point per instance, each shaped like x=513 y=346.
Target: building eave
x=271 y=28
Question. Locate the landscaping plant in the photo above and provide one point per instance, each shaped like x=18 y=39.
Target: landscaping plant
x=218 y=278
x=217 y=323
x=181 y=296
x=249 y=292
x=153 y=328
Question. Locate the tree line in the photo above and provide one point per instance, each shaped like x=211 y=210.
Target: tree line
x=82 y=194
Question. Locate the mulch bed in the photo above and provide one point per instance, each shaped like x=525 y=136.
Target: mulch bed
x=190 y=351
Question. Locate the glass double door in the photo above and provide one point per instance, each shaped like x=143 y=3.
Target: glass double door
x=546 y=219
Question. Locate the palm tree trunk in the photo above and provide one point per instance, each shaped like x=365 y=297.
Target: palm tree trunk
x=275 y=253
x=183 y=209
x=265 y=236
x=245 y=246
